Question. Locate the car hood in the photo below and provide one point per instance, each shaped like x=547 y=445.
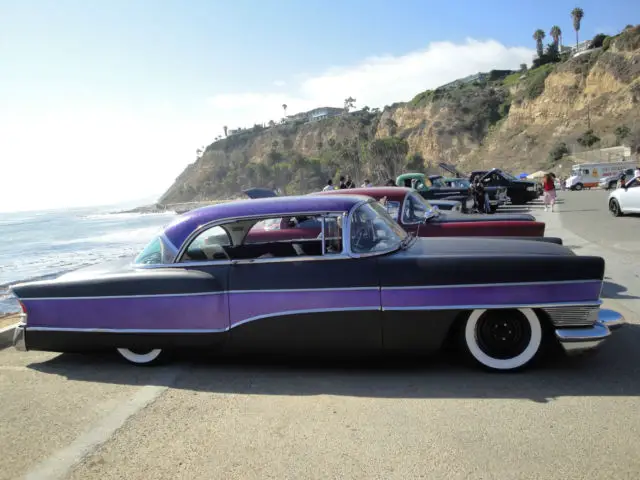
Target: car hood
x=470 y=246
x=482 y=217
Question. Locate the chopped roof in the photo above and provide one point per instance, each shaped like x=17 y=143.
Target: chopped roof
x=179 y=230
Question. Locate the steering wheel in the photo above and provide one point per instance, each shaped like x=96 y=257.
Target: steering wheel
x=365 y=238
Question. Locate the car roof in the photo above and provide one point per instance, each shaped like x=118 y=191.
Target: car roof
x=181 y=228
x=392 y=193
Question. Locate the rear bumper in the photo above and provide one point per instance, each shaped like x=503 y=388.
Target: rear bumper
x=577 y=340
x=19 y=337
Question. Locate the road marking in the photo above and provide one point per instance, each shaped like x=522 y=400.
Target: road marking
x=59 y=464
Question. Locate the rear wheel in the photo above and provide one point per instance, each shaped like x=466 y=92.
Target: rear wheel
x=614 y=208
x=142 y=356
x=503 y=340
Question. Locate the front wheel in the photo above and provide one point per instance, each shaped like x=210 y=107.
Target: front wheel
x=142 y=356
x=503 y=340
x=578 y=187
x=614 y=208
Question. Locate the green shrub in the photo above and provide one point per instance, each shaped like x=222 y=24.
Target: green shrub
x=535 y=81
x=606 y=43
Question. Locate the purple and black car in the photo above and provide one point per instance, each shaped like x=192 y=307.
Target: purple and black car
x=215 y=278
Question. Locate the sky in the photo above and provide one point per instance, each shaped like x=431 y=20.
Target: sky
x=107 y=101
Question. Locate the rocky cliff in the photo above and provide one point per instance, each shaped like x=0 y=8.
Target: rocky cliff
x=520 y=121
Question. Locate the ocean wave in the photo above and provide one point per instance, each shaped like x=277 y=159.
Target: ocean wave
x=125 y=215
x=137 y=235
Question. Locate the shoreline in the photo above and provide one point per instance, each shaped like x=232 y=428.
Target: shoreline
x=177 y=208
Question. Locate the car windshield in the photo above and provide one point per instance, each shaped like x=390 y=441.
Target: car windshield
x=156 y=252
x=373 y=230
x=506 y=175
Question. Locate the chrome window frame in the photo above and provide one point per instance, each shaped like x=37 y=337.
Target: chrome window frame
x=346 y=241
x=346 y=234
x=401 y=216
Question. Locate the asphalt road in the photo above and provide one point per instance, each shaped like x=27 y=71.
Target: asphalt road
x=82 y=417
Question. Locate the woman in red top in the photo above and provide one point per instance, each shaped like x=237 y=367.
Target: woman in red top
x=549 y=192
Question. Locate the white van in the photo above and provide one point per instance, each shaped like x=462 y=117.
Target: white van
x=588 y=175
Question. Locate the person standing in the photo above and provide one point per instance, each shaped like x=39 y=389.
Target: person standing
x=350 y=183
x=367 y=184
x=549 y=189
x=342 y=185
x=329 y=186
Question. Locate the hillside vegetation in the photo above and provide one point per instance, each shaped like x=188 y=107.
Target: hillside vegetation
x=521 y=121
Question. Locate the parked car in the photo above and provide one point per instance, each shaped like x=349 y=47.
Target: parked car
x=423 y=184
x=445 y=205
x=364 y=285
x=611 y=182
x=519 y=191
x=625 y=200
x=416 y=215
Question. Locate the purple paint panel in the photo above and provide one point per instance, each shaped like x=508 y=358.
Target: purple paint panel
x=492 y=295
x=197 y=312
x=245 y=306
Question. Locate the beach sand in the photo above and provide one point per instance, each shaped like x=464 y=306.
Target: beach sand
x=9 y=319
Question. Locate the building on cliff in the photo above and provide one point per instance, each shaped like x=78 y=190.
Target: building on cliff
x=316 y=114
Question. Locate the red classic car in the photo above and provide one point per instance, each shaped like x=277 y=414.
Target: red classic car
x=410 y=210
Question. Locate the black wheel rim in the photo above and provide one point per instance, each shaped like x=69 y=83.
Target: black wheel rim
x=140 y=351
x=503 y=334
x=614 y=208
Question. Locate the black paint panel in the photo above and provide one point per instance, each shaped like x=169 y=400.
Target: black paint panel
x=463 y=261
x=76 y=342
x=420 y=331
x=332 y=331
x=141 y=282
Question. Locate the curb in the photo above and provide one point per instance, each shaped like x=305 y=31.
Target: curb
x=6 y=336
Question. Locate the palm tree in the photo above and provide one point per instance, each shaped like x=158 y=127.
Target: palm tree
x=225 y=130
x=556 y=34
x=284 y=107
x=538 y=36
x=577 y=14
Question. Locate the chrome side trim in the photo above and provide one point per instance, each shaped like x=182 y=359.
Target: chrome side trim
x=506 y=284
x=127 y=330
x=294 y=290
x=202 y=294
x=487 y=306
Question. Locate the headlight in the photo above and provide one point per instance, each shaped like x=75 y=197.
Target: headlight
x=531 y=189
x=457 y=208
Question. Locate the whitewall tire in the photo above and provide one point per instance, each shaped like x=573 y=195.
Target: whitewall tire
x=503 y=340
x=136 y=357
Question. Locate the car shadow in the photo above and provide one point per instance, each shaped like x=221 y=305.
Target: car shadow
x=613 y=371
x=616 y=291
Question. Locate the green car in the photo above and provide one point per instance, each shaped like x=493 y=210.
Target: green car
x=436 y=190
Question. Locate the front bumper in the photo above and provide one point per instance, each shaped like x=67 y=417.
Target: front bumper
x=578 y=340
x=19 y=337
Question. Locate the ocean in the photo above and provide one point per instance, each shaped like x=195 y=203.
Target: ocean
x=41 y=245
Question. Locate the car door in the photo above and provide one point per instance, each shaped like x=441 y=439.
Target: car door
x=630 y=198
x=306 y=302
x=205 y=253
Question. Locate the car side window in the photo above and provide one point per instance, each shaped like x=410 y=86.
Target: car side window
x=209 y=245
x=413 y=211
